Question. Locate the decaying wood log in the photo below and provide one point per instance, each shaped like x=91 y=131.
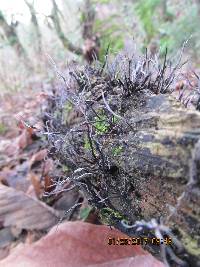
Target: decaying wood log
x=135 y=152
x=162 y=159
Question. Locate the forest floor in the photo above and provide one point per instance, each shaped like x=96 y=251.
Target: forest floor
x=26 y=215
x=26 y=173
x=26 y=170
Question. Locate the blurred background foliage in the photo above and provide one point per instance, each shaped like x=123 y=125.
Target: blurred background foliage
x=36 y=34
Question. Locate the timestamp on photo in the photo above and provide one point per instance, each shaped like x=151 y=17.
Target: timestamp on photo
x=139 y=241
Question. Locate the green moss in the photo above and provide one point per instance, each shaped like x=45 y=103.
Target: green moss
x=108 y=216
x=65 y=168
x=86 y=144
x=101 y=124
x=191 y=244
x=67 y=107
x=116 y=151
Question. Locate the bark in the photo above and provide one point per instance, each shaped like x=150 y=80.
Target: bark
x=164 y=9
x=198 y=5
x=154 y=172
x=12 y=37
x=88 y=20
x=161 y=160
x=90 y=49
x=166 y=15
x=65 y=41
x=35 y=24
x=91 y=40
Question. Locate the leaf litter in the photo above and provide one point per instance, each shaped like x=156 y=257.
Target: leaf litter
x=26 y=173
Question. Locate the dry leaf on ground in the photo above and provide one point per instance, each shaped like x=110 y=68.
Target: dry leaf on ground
x=79 y=244
x=24 y=139
x=15 y=176
x=39 y=156
x=20 y=210
x=35 y=180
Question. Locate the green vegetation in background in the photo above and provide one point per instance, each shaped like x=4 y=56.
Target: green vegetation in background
x=170 y=27
x=149 y=22
x=116 y=44
x=101 y=1
x=145 y=9
x=111 y=33
x=186 y=26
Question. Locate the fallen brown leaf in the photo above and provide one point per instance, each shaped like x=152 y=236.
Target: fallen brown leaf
x=24 y=139
x=79 y=244
x=137 y=261
x=31 y=192
x=6 y=237
x=15 y=176
x=35 y=180
x=3 y=253
x=48 y=184
x=39 y=156
x=18 y=209
x=9 y=147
